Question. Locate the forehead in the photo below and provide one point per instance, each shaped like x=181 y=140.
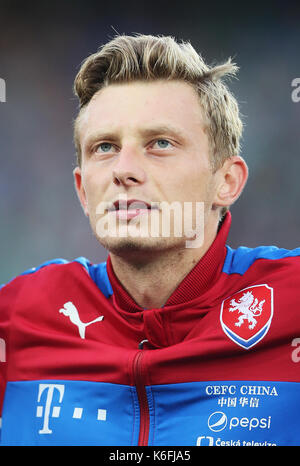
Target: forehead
x=138 y=105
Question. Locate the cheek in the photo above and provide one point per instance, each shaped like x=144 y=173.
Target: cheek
x=93 y=185
x=193 y=184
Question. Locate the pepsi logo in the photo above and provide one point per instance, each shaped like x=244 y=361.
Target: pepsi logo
x=217 y=421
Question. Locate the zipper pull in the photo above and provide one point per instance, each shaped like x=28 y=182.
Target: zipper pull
x=141 y=344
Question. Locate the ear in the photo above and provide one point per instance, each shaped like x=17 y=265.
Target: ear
x=77 y=173
x=232 y=177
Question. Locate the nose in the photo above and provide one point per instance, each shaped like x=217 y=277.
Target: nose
x=128 y=170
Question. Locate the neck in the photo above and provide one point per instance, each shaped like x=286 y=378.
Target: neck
x=151 y=282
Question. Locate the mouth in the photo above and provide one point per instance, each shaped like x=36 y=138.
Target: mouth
x=131 y=204
x=127 y=209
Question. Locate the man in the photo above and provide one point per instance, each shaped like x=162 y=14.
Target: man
x=177 y=339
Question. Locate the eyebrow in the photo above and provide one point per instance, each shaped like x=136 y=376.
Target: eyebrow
x=144 y=132
x=163 y=129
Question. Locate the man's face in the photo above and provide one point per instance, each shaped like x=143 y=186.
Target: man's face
x=144 y=142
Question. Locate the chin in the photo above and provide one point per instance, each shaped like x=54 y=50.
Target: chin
x=132 y=246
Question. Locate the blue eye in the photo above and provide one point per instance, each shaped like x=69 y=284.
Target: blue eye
x=162 y=143
x=105 y=147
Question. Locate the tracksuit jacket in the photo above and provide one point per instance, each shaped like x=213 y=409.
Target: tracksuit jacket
x=219 y=364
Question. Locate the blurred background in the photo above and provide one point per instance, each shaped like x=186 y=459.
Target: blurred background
x=41 y=47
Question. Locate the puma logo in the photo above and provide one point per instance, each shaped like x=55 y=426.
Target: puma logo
x=70 y=311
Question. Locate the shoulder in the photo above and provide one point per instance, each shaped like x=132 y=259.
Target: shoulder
x=61 y=268
x=241 y=259
x=34 y=270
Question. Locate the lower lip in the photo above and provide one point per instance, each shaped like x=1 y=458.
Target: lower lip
x=131 y=213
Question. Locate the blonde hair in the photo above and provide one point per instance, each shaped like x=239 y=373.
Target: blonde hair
x=148 y=58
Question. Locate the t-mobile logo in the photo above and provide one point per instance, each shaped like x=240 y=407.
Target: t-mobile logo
x=44 y=411
x=50 y=397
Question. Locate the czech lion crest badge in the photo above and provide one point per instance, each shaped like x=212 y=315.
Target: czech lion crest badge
x=246 y=316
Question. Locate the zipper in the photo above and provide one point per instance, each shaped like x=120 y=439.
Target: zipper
x=143 y=400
